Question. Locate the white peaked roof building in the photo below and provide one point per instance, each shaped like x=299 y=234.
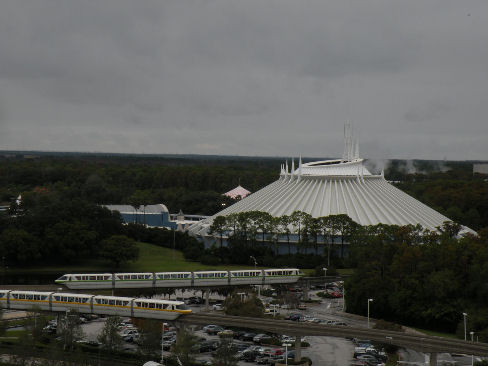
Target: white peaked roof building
x=332 y=187
x=238 y=192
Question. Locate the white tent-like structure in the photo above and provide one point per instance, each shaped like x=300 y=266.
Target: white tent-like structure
x=332 y=187
x=237 y=193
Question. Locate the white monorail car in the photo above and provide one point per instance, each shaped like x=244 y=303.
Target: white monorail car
x=180 y=279
x=87 y=281
x=281 y=275
x=85 y=303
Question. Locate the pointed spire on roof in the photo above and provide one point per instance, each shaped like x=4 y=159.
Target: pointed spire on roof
x=292 y=166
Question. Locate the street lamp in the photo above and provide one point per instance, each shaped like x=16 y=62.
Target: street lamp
x=472 y=340
x=464 y=316
x=273 y=306
x=286 y=345
x=369 y=300
x=162 y=345
x=325 y=278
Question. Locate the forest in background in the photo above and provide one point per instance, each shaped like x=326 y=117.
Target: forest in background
x=195 y=183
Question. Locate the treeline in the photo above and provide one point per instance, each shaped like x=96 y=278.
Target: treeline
x=427 y=283
x=195 y=188
x=54 y=228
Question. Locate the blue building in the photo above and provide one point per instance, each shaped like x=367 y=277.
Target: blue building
x=150 y=215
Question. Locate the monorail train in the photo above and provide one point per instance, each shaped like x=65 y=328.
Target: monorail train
x=180 y=279
x=84 y=303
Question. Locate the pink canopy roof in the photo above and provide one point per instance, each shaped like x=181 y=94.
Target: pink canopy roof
x=237 y=192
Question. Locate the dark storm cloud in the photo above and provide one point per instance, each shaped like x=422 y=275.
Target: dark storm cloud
x=249 y=77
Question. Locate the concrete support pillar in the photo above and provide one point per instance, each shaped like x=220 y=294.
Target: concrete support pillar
x=207 y=300
x=298 y=348
x=433 y=359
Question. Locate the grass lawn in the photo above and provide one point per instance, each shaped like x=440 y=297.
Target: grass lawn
x=152 y=258
x=159 y=259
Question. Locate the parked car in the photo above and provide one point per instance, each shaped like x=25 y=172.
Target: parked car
x=302 y=307
x=247 y=355
x=295 y=317
x=263 y=360
x=248 y=336
x=212 y=329
x=218 y=307
x=208 y=346
x=226 y=333
x=262 y=339
x=370 y=359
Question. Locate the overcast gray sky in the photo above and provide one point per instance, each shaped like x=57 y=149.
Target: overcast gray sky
x=264 y=77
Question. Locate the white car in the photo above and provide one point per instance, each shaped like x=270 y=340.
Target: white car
x=217 y=307
x=285 y=306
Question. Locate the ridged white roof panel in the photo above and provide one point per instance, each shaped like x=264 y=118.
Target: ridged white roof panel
x=369 y=200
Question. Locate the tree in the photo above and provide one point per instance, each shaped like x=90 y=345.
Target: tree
x=69 y=330
x=219 y=226
x=225 y=354
x=284 y=225
x=251 y=306
x=71 y=241
x=184 y=348
x=19 y=247
x=109 y=337
x=118 y=249
x=149 y=336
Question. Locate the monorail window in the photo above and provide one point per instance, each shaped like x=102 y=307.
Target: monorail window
x=151 y=306
x=2 y=295
x=187 y=275
x=37 y=297
x=181 y=307
x=29 y=297
x=93 y=278
x=77 y=278
x=138 y=304
x=111 y=302
x=125 y=303
x=147 y=277
x=22 y=296
x=71 y=299
x=140 y=277
x=106 y=278
x=63 y=278
x=133 y=277
x=43 y=297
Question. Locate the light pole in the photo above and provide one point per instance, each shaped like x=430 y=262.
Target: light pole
x=162 y=345
x=286 y=345
x=464 y=316
x=472 y=340
x=255 y=264
x=325 y=278
x=273 y=306
x=369 y=300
